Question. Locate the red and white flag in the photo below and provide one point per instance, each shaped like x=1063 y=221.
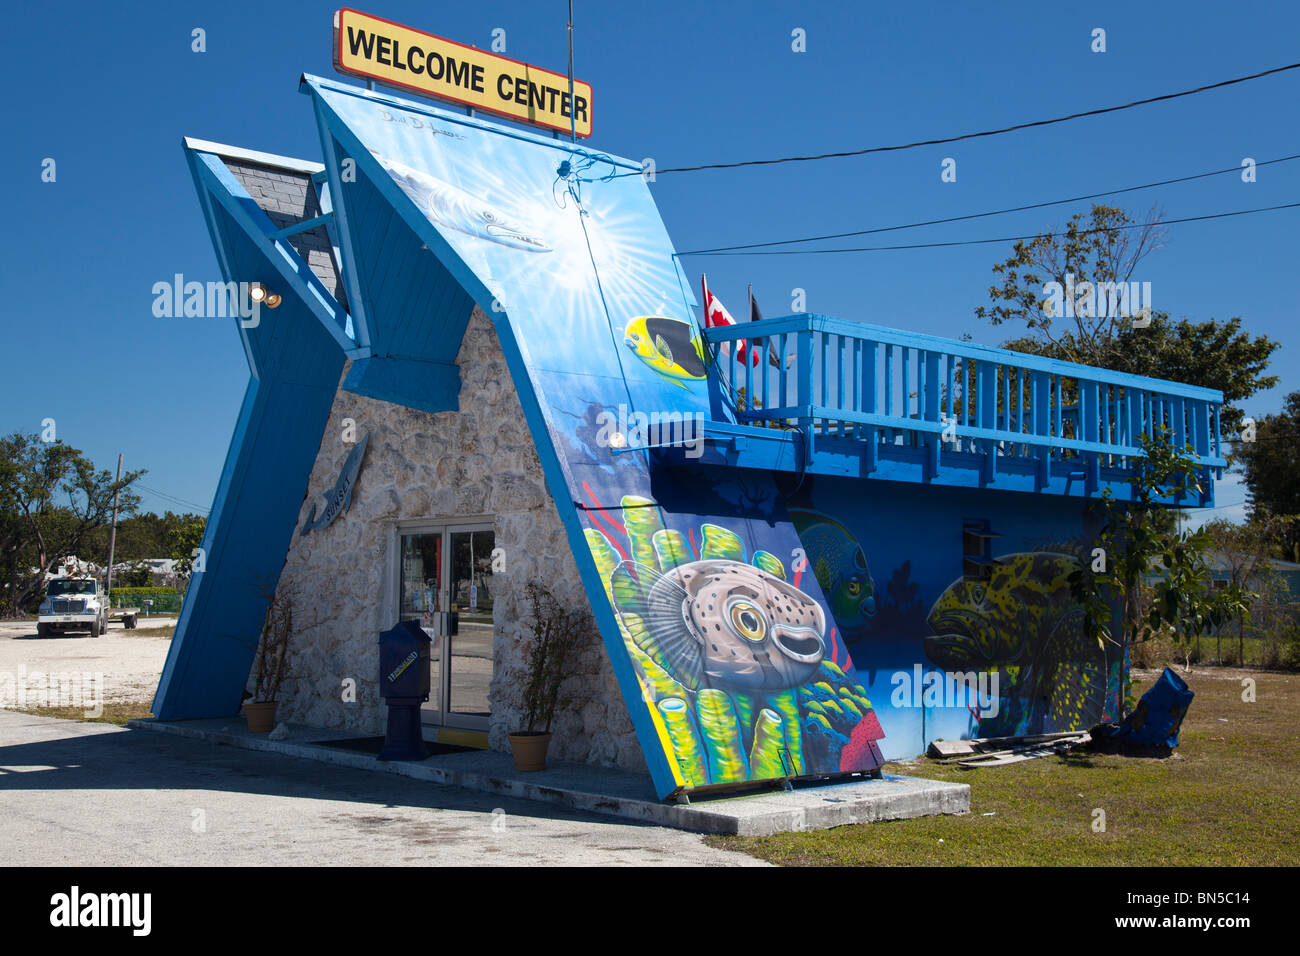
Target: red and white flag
x=716 y=315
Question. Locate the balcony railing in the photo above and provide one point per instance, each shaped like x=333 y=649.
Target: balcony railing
x=833 y=380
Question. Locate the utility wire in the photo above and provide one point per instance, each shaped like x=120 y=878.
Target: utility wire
x=981 y=242
x=983 y=215
x=965 y=136
x=171 y=498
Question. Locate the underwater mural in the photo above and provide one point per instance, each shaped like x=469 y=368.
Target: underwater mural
x=744 y=677
x=1024 y=624
x=727 y=602
x=1014 y=631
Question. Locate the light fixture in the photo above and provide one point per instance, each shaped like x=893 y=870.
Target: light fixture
x=256 y=291
x=272 y=300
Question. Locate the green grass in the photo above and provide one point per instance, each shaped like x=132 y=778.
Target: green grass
x=1228 y=796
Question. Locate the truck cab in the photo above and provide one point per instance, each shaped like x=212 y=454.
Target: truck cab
x=73 y=604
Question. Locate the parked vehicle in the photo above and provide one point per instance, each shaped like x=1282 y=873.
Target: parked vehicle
x=79 y=604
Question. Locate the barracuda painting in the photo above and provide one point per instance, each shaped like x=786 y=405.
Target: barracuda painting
x=1024 y=624
x=457 y=209
x=737 y=664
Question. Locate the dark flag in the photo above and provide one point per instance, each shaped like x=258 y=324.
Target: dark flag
x=755 y=315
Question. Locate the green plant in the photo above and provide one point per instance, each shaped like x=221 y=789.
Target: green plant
x=557 y=634
x=1137 y=543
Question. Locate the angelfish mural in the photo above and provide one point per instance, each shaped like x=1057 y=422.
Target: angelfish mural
x=736 y=663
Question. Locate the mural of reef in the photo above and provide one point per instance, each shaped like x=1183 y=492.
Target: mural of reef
x=742 y=669
x=1007 y=619
x=756 y=632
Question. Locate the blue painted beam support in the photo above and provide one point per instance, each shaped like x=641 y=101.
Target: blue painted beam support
x=1042 y=407
x=986 y=407
x=428 y=386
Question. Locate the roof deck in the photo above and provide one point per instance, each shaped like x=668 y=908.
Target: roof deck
x=844 y=398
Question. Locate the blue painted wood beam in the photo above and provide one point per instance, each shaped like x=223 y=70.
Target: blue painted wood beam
x=297 y=367
x=294 y=228
x=428 y=386
x=282 y=260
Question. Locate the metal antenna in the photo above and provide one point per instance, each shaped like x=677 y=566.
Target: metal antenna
x=573 y=122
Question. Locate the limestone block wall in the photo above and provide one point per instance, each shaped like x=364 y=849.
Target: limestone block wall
x=478 y=461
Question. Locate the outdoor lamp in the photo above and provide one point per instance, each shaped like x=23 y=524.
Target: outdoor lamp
x=256 y=291
x=272 y=300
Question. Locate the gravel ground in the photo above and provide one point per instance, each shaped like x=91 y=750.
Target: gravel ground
x=96 y=795
x=126 y=664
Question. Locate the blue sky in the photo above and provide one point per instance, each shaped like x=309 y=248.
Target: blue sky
x=108 y=92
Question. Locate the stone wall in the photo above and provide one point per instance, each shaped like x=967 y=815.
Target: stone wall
x=477 y=461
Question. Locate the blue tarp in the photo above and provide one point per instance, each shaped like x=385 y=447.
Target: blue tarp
x=1159 y=714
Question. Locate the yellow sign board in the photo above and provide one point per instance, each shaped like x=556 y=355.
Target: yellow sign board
x=395 y=55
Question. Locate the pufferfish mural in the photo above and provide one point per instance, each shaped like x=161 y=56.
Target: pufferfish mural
x=733 y=660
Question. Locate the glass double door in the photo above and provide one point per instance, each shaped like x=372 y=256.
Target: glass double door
x=445 y=584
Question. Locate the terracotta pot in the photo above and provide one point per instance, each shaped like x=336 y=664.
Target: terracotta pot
x=260 y=716
x=529 y=750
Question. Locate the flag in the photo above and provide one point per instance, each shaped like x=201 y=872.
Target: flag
x=755 y=315
x=715 y=316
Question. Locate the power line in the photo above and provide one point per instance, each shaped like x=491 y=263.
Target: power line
x=981 y=242
x=965 y=136
x=983 y=215
x=171 y=498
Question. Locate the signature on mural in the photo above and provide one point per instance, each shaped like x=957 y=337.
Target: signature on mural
x=1024 y=623
x=734 y=661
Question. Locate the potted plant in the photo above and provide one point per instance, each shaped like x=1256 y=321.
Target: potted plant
x=557 y=635
x=272 y=663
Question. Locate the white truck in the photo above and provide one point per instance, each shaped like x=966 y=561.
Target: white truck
x=79 y=604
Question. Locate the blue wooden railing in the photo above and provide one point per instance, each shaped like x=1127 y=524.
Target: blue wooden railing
x=833 y=379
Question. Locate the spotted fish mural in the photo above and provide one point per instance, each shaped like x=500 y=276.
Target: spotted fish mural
x=1023 y=624
x=735 y=663
x=671 y=347
x=840 y=566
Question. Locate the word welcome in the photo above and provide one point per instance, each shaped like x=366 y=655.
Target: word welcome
x=412 y=59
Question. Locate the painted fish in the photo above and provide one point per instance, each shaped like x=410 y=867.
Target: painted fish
x=669 y=346
x=339 y=498
x=727 y=625
x=1024 y=623
x=456 y=209
x=840 y=566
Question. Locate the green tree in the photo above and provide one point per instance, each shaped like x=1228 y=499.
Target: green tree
x=52 y=500
x=1147 y=578
x=184 y=539
x=1271 y=463
x=1102 y=249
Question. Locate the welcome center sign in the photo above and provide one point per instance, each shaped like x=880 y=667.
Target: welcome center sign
x=378 y=49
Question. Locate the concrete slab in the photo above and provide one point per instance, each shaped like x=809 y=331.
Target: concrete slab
x=614 y=792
